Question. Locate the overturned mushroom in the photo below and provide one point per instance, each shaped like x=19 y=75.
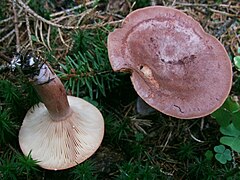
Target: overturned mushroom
x=176 y=67
x=63 y=131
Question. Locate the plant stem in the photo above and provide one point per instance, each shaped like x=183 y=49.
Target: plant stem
x=52 y=93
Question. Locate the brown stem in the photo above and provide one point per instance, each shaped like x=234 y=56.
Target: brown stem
x=52 y=93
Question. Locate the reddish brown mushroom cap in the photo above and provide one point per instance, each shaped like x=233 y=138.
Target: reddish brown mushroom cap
x=176 y=67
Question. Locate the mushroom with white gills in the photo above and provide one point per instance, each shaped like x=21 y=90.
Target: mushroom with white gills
x=63 y=131
x=176 y=67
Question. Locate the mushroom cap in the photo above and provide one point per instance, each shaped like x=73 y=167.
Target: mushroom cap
x=62 y=144
x=176 y=67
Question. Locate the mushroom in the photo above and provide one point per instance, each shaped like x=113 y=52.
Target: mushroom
x=63 y=131
x=176 y=67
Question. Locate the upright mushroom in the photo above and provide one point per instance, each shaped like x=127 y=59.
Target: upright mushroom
x=176 y=67
x=63 y=131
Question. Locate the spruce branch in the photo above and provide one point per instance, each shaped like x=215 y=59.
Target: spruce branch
x=88 y=70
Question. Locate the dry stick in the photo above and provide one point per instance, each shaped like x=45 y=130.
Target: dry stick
x=220 y=31
x=60 y=35
x=153 y=2
x=168 y=138
x=8 y=19
x=202 y=124
x=85 y=14
x=173 y=3
x=115 y=15
x=211 y=9
x=39 y=26
x=224 y=13
x=48 y=37
x=192 y=136
x=16 y=26
x=11 y=18
x=26 y=46
x=166 y=173
x=100 y=25
x=30 y=11
x=208 y=5
x=6 y=28
x=5 y=58
x=72 y=9
x=36 y=31
x=57 y=20
x=132 y=6
x=129 y=4
x=10 y=40
x=9 y=34
x=234 y=160
x=41 y=35
x=28 y=30
x=237 y=35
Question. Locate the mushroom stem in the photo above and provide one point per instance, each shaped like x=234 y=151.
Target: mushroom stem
x=52 y=93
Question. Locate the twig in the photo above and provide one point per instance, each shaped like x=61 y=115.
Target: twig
x=57 y=20
x=16 y=26
x=224 y=27
x=41 y=19
x=60 y=35
x=10 y=40
x=67 y=11
x=26 y=46
x=11 y=18
x=202 y=124
x=234 y=160
x=207 y=5
x=224 y=13
x=100 y=25
x=2 y=69
x=48 y=37
x=153 y=2
x=85 y=14
x=6 y=28
x=9 y=34
x=30 y=11
x=211 y=9
x=115 y=15
x=8 y=19
x=165 y=173
x=36 y=31
x=196 y=139
x=5 y=58
x=132 y=6
x=41 y=35
x=168 y=138
x=173 y=3
x=28 y=30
